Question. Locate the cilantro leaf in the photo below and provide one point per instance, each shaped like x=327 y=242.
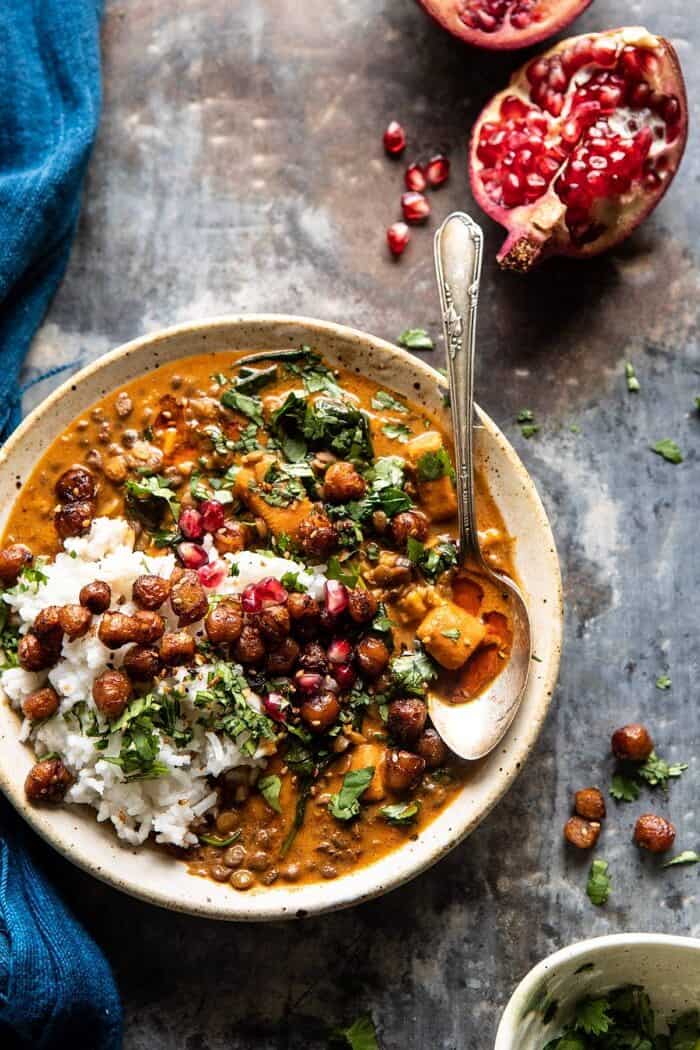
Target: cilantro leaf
x=141 y=493
x=668 y=449
x=592 y=1016
x=599 y=884
x=657 y=771
x=688 y=856
x=342 y=571
x=401 y=812
x=361 y=1035
x=624 y=789
x=432 y=561
x=383 y=399
x=526 y=421
x=397 y=431
x=434 y=465
x=631 y=377
x=270 y=788
x=245 y=404
x=415 y=339
x=412 y=672
x=345 y=804
x=663 y=682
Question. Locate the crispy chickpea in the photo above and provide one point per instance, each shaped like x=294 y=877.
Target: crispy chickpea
x=116 y=629
x=142 y=662
x=249 y=648
x=589 y=803
x=73 y=519
x=317 y=535
x=372 y=656
x=632 y=743
x=432 y=749
x=402 y=770
x=274 y=622
x=96 y=596
x=233 y=537
x=409 y=523
x=41 y=704
x=283 y=657
x=581 y=833
x=12 y=560
x=176 y=648
x=75 y=621
x=224 y=622
x=188 y=598
x=342 y=483
x=111 y=693
x=303 y=609
x=149 y=626
x=653 y=833
x=320 y=712
x=76 y=484
x=150 y=592
x=47 y=781
x=37 y=654
x=406 y=720
x=313 y=658
x=362 y=605
x=47 y=621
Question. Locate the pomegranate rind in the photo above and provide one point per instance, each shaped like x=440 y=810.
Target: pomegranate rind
x=538 y=230
x=555 y=16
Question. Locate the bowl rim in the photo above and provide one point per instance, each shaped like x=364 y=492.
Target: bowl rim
x=526 y=988
x=269 y=906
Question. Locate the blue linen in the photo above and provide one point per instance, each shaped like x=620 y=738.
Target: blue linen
x=56 y=988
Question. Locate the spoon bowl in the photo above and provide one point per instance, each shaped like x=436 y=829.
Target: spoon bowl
x=473 y=728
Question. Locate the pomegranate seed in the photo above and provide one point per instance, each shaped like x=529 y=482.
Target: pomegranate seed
x=394 y=138
x=192 y=555
x=336 y=597
x=257 y=596
x=415 y=179
x=274 y=705
x=437 y=170
x=306 y=682
x=190 y=524
x=339 y=651
x=213 y=574
x=397 y=237
x=416 y=207
x=212 y=514
x=345 y=676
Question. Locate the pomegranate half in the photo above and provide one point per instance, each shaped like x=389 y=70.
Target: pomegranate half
x=581 y=145
x=504 y=25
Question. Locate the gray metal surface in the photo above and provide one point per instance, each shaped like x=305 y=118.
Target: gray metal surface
x=239 y=167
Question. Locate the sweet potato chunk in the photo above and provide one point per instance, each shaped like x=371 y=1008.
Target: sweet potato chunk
x=437 y=497
x=430 y=441
x=278 y=519
x=481 y=669
x=451 y=634
x=467 y=594
x=366 y=755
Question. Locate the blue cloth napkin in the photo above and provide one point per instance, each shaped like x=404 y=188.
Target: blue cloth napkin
x=56 y=988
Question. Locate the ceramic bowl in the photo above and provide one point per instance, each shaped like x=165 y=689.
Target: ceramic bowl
x=667 y=967
x=153 y=875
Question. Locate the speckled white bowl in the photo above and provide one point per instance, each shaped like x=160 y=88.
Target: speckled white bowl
x=153 y=875
x=667 y=967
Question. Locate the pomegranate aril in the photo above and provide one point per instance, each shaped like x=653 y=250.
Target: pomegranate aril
x=437 y=170
x=336 y=597
x=397 y=237
x=415 y=207
x=394 y=138
x=414 y=178
x=274 y=706
x=213 y=574
x=306 y=682
x=603 y=52
x=671 y=110
x=257 y=596
x=513 y=108
x=192 y=555
x=190 y=524
x=345 y=676
x=339 y=651
x=212 y=514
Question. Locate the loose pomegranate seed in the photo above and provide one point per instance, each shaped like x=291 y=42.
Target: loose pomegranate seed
x=394 y=138
x=437 y=170
x=213 y=574
x=274 y=705
x=212 y=514
x=345 y=676
x=191 y=524
x=416 y=207
x=267 y=592
x=397 y=237
x=415 y=179
x=339 y=651
x=306 y=682
x=336 y=597
x=192 y=555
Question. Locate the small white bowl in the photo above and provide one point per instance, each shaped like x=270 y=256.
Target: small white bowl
x=668 y=968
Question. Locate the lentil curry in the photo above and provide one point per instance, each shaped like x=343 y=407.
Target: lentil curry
x=208 y=457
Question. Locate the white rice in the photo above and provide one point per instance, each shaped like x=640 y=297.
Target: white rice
x=166 y=805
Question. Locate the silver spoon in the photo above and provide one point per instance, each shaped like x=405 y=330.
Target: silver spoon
x=474 y=727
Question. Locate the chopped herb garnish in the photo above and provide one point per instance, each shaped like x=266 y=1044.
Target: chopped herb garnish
x=432 y=561
x=434 y=465
x=383 y=399
x=361 y=1035
x=270 y=788
x=669 y=450
x=245 y=404
x=290 y=582
x=415 y=339
x=142 y=493
x=599 y=884
x=32 y=577
x=346 y=803
x=212 y=840
x=526 y=421
x=623 y=1019
x=624 y=789
x=631 y=377
x=343 y=571
x=657 y=771
x=401 y=812
x=397 y=431
x=663 y=682
x=688 y=856
x=412 y=672
x=225 y=708
x=453 y=635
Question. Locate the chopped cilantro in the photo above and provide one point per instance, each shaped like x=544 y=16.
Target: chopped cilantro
x=326 y=423
x=270 y=788
x=343 y=571
x=668 y=449
x=290 y=582
x=663 y=682
x=245 y=404
x=592 y=1016
x=526 y=421
x=453 y=634
x=383 y=399
x=631 y=377
x=346 y=803
x=623 y=1019
x=226 y=709
x=432 y=561
x=32 y=577
x=361 y=1035
x=397 y=431
x=688 y=856
x=624 y=789
x=142 y=493
x=657 y=771
x=401 y=812
x=434 y=465
x=415 y=339
x=599 y=885
x=412 y=671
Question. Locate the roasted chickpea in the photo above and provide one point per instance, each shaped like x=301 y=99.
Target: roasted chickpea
x=409 y=523
x=653 y=833
x=317 y=535
x=75 y=621
x=320 y=712
x=372 y=656
x=47 y=621
x=313 y=657
x=274 y=622
x=12 y=560
x=362 y=605
x=96 y=596
x=406 y=720
x=76 y=484
x=116 y=629
x=432 y=749
x=188 y=598
x=37 y=654
x=589 y=803
x=176 y=648
x=73 y=519
x=111 y=693
x=402 y=770
x=224 y=622
x=233 y=537
x=142 y=662
x=283 y=657
x=41 y=704
x=581 y=833
x=47 y=781
x=150 y=592
x=249 y=648
x=150 y=626
x=632 y=743
x=342 y=483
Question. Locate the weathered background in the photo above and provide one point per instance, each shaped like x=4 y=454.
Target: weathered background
x=239 y=167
